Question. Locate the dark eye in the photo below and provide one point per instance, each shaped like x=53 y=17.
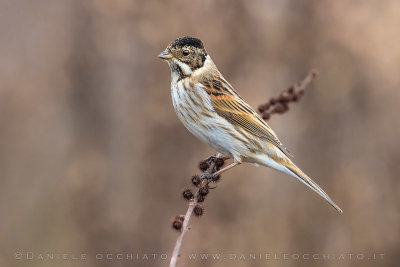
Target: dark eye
x=185 y=52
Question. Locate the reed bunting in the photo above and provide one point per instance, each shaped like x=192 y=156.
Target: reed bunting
x=214 y=112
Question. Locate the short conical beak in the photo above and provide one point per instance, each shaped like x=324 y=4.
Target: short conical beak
x=165 y=54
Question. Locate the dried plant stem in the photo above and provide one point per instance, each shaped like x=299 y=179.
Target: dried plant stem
x=185 y=227
x=273 y=106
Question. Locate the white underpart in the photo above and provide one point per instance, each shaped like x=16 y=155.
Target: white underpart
x=213 y=130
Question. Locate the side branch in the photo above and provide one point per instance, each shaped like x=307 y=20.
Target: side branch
x=280 y=104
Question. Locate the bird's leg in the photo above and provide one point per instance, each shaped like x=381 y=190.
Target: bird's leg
x=221 y=156
x=233 y=164
x=211 y=160
x=218 y=156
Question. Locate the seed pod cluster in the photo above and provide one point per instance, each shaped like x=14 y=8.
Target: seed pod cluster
x=208 y=167
x=280 y=104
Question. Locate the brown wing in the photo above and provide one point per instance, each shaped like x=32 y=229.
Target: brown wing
x=229 y=105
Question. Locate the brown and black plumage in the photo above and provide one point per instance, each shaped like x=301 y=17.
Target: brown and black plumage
x=214 y=112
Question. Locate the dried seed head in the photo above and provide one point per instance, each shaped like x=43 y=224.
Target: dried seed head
x=187 y=194
x=266 y=116
x=290 y=90
x=296 y=97
x=196 y=180
x=272 y=101
x=203 y=165
x=301 y=92
x=198 y=210
x=177 y=222
x=177 y=225
x=204 y=190
x=219 y=162
x=285 y=97
x=263 y=107
x=216 y=178
x=279 y=108
x=200 y=198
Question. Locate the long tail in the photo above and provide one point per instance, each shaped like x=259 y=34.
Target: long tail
x=287 y=166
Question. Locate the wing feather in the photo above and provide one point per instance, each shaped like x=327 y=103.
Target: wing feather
x=229 y=105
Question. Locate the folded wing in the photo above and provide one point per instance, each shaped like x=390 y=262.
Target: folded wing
x=229 y=105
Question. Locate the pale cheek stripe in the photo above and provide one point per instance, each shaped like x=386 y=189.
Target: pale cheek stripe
x=184 y=67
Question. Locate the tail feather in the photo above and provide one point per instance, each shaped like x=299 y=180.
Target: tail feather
x=297 y=173
x=287 y=166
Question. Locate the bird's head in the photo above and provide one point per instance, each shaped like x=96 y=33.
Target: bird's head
x=184 y=56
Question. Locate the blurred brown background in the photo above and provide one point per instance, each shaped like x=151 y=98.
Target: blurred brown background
x=93 y=157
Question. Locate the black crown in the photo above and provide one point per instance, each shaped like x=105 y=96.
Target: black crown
x=187 y=41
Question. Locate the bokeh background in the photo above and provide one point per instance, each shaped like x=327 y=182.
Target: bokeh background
x=93 y=157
